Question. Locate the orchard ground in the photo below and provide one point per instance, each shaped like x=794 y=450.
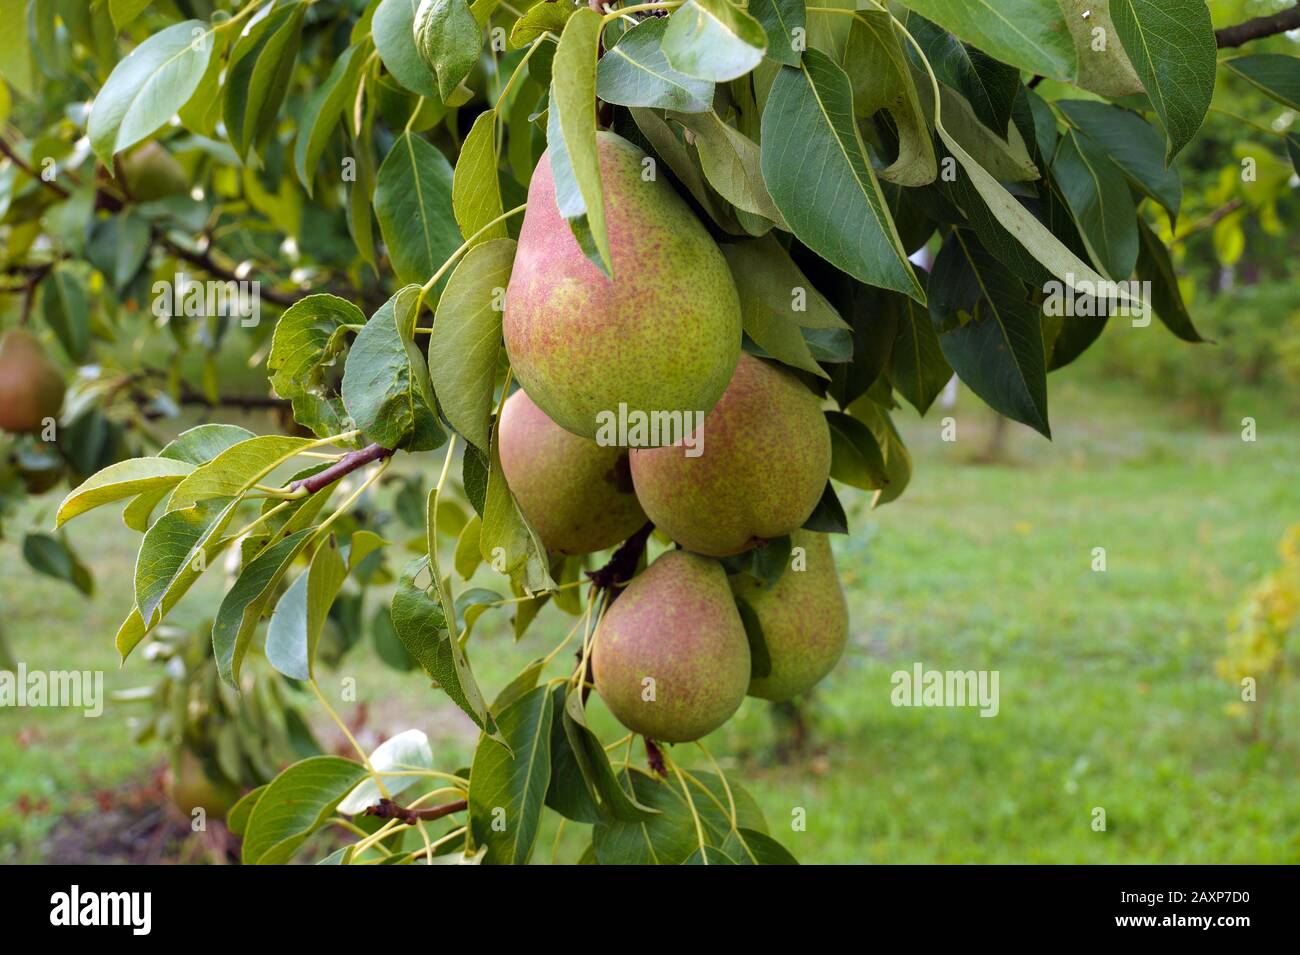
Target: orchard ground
x=1108 y=693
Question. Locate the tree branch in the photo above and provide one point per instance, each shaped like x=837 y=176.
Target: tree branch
x=387 y=809
x=1258 y=28
x=345 y=465
x=204 y=261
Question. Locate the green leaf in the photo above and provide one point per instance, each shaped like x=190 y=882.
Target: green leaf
x=466 y=338
x=748 y=847
x=988 y=85
x=917 y=367
x=257 y=77
x=236 y=469
x=1155 y=266
x=507 y=541
x=732 y=164
x=393 y=29
x=175 y=551
x=475 y=188
x=123 y=12
x=321 y=113
x=990 y=332
x=882 y=79
x=1273 y=74
x=507 y=787
x=421 y=625
x=407 y=751
x=856 y=458
x=239 y=814
x=713 y=40
x=1099 y=199
x=242 y=607
x=202 y=443
x=571 y=138
x=668 y=838
x=53 y=557
x=308 y=340
x=299 y=616
x=148 y=87
x=386 y=385
x=779 y=20
x=1002 y=158
x=635 y=72
x=294 y=805
x=540 y=18
x=1104 y=68
x=119 y=481
x=66 y=311
x=595 y=793
x=898 y=462
x=1030 y=34
x=414 y=208
x=448 y=40
x=777 y=302
x=1171 y=46
x=818 y=173
x=1132 y=144
x=117 y=246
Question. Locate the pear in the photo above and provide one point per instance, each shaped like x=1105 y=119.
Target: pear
x=576 y=494
x=764 y=454
x=151 y=172
x=663 y=335
x=31 y=388
x=804 y=618
x=670 y=658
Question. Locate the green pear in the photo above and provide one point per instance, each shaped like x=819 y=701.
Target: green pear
x=151 y=172
x=804 y=618
x=760 y=464
x=31 y=388
x=577 y=495
x=671 y=659
x=663 y=335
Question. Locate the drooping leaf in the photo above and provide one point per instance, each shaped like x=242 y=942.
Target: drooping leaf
x=1171 y=46
x=508 y=783
x=748 y=847
x=1132 y=144
x=1099 y=199
x=466 y=338
x=634 y=72
x=987 y=84
x=1104 y=67
x=1273 y=74
x=122 y=480
x=448 y=40
x=1155 y=266
x=236 y=469
x=571 y=138
x=668 y=838
x=66 y=310
x=54 y=557
x=294 y=805
x=1029 y=34
x=299 y=616
x=780 y=19
x=856 y=457
x=713 y=40
x=732 y=164
x=320 y=115
x=917 y=367
x=386 y=387
x=257 y=77
x=990 y=332
x=148 y=87
x=393 y=28
x=475 y=187
x=307 y=342
x=414 y=207
x=898 y=460
x=817 y=171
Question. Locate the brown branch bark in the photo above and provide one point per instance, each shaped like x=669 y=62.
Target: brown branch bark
x=387 y=809
x=204 y=261
x=1258 y=28
x=345 y=465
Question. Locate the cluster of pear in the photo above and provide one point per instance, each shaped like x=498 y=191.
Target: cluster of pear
x=671 y=656
x=31 y=388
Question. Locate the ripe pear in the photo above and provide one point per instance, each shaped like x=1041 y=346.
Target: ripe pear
x=31 y=388
x=577 y=495
x=671 y=659
x=804 y=618
x=662 y=335
x=764 y=457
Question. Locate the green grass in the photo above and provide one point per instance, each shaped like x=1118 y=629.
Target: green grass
x=1108 y=692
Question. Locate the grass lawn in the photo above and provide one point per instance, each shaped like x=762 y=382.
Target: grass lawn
x=1108 y=692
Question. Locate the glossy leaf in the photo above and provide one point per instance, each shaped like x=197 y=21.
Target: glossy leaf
x=448 y=39
x=475 y=187
x=713 y=40
x=257 y=77
x=508 y=785
x=414 y=207
x=320 y=115
x=406 y=752
x=635 y=72
x=299 y=617
x=1030 y=34
x=119 y=481
x=294 y=805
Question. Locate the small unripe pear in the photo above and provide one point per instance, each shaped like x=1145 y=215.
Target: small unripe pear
x=151 y=172
x=670 y=658
x=766 y=456
x=804 y=618
x=576 y=494
x=31 y=388
x=662 y=336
